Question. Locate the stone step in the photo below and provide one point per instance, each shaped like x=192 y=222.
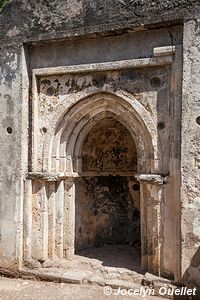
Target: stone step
x=147 y=283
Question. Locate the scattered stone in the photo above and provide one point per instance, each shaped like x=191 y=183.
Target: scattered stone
x=150 y=279
x=117 y=270
x=25 y=283
x=32 y=264
x=74 y=276
x=96 y=279
x=56 y=263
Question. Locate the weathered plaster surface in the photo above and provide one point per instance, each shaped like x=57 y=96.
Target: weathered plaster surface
x=59 y=93
x=66 y=107
x=190 y=154
x=109 y=147
x=106 y=206
x=106 y=212
x=11 y=155
x=28 y=21
x=24 y=18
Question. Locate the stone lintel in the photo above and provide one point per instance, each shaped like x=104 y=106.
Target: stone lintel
x=106 y=66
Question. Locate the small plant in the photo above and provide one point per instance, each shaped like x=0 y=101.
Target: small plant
x=3 y=3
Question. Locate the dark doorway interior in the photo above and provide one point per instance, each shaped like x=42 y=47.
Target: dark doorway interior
x=107 y=218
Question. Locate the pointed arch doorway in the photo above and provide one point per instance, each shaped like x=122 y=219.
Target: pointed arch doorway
x=95 y=154
x=69 y=151
x=107 y=197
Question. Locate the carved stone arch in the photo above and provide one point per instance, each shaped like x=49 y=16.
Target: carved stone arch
x=62 y=154
x=74 y=148
x=78 y=143
x=127 y=109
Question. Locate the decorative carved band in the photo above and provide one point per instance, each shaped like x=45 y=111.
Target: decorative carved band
x=164 y=51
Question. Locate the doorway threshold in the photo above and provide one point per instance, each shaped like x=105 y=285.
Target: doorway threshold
x=84 y=269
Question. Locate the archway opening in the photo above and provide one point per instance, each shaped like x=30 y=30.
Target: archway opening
x=107 y=213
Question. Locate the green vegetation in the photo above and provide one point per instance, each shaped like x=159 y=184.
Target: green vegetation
x=3 y=3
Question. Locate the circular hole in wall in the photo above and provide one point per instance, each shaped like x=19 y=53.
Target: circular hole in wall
x=50 y=91
x=198 y=120
x=9 y=130
x=44 y=130
x=161 y=125
x=136 y=187
x=155 y=82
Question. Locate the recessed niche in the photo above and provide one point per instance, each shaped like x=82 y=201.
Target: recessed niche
x=161 y=125
x=44 y=129
x=50 y=91
x=198 y=120
x=136 y=187
x=155 y=82
x=9 y=130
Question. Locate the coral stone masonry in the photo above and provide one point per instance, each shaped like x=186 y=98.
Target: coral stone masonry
x=100 y=136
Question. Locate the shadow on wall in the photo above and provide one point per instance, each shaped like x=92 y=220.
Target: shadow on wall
x=191 y=277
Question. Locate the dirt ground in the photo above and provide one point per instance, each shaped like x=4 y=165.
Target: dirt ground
x=117 y=256
x=18 y=289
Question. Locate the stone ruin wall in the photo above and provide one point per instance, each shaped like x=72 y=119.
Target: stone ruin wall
x=18 y=61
